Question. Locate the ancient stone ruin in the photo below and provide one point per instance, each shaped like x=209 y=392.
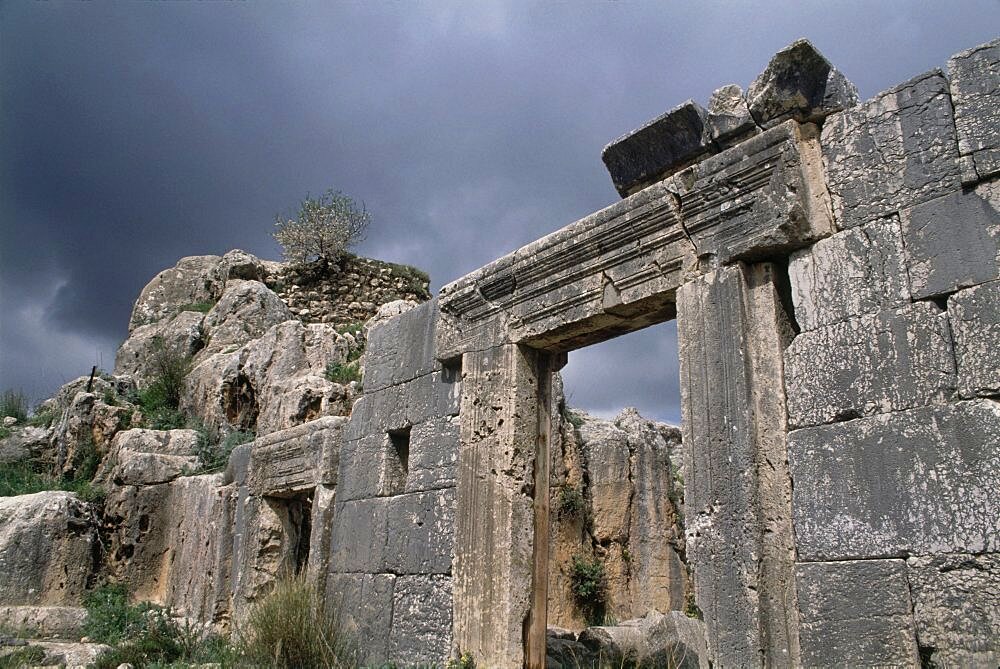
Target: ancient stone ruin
x=830 y=499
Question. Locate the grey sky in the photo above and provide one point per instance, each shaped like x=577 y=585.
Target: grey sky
x=132 y=134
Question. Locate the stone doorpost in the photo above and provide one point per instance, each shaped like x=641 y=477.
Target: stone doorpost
x=504 y=433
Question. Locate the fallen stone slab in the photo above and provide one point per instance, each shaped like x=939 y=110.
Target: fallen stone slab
x=43 y=621
x=801 y=84
x=664 y=145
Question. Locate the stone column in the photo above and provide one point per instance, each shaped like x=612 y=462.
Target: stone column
x=494 y=534
x=732 y=330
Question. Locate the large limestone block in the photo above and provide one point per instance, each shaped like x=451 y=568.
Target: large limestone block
x=854 y=272
x=856 y=614
x=149 y=457
x=402 y=348
x=975 y=324
x=799 y=83
x=296 y=459
x=887 y=361
x=892 y=152
x=190 y=281
x=48 y=543
x=905 y=483
x=212 y=391
x=433 y=454
x=953 y=241
x=956 y=605
x=421 y=620
x=359 y=536
x=63 y=622
x=611 y=489
x=667 y=143
x=180 y=335
x=363 y=604
x=975 y=91
x=399 y=407
x=420 y=531
x=244 y=312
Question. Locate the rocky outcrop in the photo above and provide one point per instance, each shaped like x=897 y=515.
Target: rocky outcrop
x=48 y=546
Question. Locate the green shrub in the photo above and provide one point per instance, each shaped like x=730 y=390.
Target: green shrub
x=342 y=372
x=14 y=403
x=20 y=478
x=292 y=627
x=214 y=452
x=5 y=432
x=349 y=328
x=573 y=418
x=160 y=400
x=571 y=501
x=589 y=585
x=43 y=418
x=27 y=656
x=200 y=307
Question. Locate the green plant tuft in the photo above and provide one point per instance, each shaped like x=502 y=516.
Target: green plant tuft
x=160 y=400
x=589 y=584
x=213 y=451
x=43 y=418
x=342 y=372
x=27 y=656
x=14 y=403
x=200 y=307
x=571 y=501
x=573 y=418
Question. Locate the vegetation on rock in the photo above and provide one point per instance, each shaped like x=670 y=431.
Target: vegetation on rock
x=323 y=228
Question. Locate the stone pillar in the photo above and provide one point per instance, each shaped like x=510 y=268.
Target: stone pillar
x=732 y=330
x=494 y=520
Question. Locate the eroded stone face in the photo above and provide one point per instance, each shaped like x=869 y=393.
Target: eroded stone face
x=975 y=91
x=975 y=323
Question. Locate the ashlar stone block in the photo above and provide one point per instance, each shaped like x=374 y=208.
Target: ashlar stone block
x=913 y=482
x=729 y=119
x=420 y=531
x=401 y=348
x=975 y=91
x=953 y=241
x=421 y=620
x=975 y=323
x=854 y=272
x=856 y=614
x=892 y=152
x=364 y=603
x=956 y=605
x=433 y=454
x=359 y=536
x=888 y=361
x=398 y=407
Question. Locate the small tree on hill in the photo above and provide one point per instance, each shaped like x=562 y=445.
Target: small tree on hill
x=324 y=228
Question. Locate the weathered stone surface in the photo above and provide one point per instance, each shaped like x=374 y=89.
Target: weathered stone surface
x=359 y=536
x=888 y=361
x=855 y=272
x=664 y=145
x=420 y=532
x=187 y=282
x=179 y=335
x=892 y=152
x=238 y=264
x=731 y=330
x=398 y=407
x=421 y=620
x=64 y=622
x=48 y=542
x=364 y=603
x=906 y=483
x=975 y=324
x=953 y=241
x=296 y=459
x=494 y=513
x=956 y=605
x=244 y=312
x=856 y=614
x=24 y=442
x=149 y=457
x=75 y=655
x=801 y=84
x=975 y=92
x=211 y=392
x=402 y=348
x=433 y=454
x=729 y=119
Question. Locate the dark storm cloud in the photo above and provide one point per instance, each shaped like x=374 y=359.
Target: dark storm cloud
x=134 y=134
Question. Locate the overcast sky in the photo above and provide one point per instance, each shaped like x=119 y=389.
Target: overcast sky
x=132 y=134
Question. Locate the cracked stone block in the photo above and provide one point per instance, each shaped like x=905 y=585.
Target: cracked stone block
x=433 y=455
x=799 y=83
x=669 y=142
x=363 y=604
x=420 y=531
x=975 y=91
x=855 y=614
x=892 y=152
x=421 y=620
x=729 y=119
x=956 y=605
x=908 y=483
x=359 y=535
x=975 y=323
x=402 y=348
x=854 y=272
x=953 y=241
x=887 y=361
x=398 y=407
